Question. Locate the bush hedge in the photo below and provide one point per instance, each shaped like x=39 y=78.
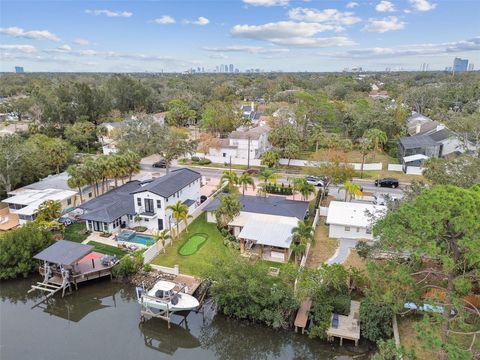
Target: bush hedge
x=278 y=189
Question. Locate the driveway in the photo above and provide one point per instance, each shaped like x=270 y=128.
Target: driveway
x=343 y=250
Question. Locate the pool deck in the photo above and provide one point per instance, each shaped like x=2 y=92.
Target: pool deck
x=111 y=240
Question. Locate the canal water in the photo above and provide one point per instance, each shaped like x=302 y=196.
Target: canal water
x=102 y=321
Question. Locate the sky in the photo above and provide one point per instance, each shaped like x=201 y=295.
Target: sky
x=271 y=35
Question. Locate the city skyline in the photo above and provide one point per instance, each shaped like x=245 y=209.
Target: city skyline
x=272 y=35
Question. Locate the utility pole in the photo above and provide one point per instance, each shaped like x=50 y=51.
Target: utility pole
x=230 y=163
x=248 y=155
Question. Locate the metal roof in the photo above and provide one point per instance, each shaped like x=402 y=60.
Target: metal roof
x=169 y=184
x=64 y=252
x=417 y=141
x=189 y=202
x=415 y=157
x=441 y=134
x=271 y=205
x=268 y=233
x=353 y=214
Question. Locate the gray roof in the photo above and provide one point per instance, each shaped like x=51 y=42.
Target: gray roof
x=425 y=128
x=189 y=202
x=169 y=184
x=111 y=205
x=64 y=252
x=441 y=135
x=57 y=181
x=252 y=133
x=271 y=205
x=268 y=233
x=417 y=141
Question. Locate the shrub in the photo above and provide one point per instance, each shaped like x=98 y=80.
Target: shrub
x=341 y=304
x=204 y=162
x=17 y=248
x=128 y=265
x=140 y=228
x=375 y=320
x=195 y=159
x=147 y=268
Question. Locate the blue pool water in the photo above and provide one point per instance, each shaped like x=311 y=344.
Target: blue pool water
x=141 y=239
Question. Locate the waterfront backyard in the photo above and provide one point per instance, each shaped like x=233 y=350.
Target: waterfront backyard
x=202 y=246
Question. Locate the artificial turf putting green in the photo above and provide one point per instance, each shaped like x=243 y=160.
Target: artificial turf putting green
x=192 y=244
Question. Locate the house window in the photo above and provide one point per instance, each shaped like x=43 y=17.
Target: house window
x=90 y=194
x=224 y=154
x=146 y=219
x=358 y=229
x=105 y=226
x=159 y=204
x=90 y=225
x=130 y=217
x=347 y=228
x=69 y=201
x=369 y=230
x=139 y=202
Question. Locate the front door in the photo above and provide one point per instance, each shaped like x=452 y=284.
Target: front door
x=160 y=224
x=97 y=226
x=149 y=205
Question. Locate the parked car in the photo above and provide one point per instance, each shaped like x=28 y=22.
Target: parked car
x=66 y=220
x=252 y=171
x=203 y=198
x=315 y=180
x=160 y=164
x=387 y=182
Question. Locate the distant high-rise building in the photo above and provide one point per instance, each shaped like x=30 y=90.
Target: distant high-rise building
x=19 y=70
x=460 y=65
x=230 y=68
x=470 y=67
x=424 y=67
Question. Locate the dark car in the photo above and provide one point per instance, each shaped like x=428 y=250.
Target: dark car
x=387 y=182
x=252 y=171
x=203 y=198
x=160 y=164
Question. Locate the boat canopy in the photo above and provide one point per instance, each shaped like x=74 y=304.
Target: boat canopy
x=64 y=252
x=163 y=285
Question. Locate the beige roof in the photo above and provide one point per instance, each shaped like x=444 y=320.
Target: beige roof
x=252 y=133
x=425 y=127
x=246 y=217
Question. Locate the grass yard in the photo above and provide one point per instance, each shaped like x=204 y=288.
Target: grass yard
x=400 y=175
x=196 y=264
x=192 y=244
x=75 y=232
x=355 y=261
x=323 y=247
x=355 y=156
x=107 y=249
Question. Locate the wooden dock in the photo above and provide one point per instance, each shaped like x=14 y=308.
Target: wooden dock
x=348 y=326
x=189 y=283
x=301 y=319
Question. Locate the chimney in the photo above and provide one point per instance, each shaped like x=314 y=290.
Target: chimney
x=253 y=106
x=418 y=127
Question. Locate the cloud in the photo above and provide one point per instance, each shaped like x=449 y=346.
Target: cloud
x=247 y=49
x=65 y=48
x=291 y=33
x=411 y=50
x=351 y=5
x=26 y=49
x=32 y=34
x=109 y=13
x=385 y=6
x=422 y=5
x=389 y=23
x=267 y=3
x=332 y=17
x=164 y=20
x=201 y=21
x=80 y=41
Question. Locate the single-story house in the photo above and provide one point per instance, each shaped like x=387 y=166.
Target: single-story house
x=143 y=203
x=264 y=225
x=352 y=220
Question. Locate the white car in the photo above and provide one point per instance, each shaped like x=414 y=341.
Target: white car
x=314 y=180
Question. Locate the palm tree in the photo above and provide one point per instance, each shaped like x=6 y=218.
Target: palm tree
x=305 y=188
x=351 y=189
x=132 y=162
x=377 y=138
x=76 y=180
x=228 y=209
x=230 y=177
x=179 y=213
x=49 y=210
x=245 y=180
x=365 y=145
x=302 y=231
x=298 y=248
x=267 y=175
x=162 y=236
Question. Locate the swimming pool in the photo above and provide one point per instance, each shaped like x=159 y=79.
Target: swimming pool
x=133 y=237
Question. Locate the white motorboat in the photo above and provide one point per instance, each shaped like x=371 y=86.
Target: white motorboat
x=163 y=297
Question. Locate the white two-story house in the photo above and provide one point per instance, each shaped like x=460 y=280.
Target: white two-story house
x=143 y=203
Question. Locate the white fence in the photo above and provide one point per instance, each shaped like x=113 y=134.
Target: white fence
x=414 y=170
x=156 y=248
x=323 y=210
x=395 y=167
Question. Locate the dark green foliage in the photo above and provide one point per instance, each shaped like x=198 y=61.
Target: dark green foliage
x=128 y=265
x=341 y=304
x=246 y=291
x=375 y=320
x=279 y=189
x=204 y=162
x=195 y=159
x=17 y=247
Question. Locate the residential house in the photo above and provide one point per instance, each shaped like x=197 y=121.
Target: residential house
x=143 y=203
x=248 y=110
x=25 y=204
x=449 y=142
x=243 y=144
x=264 y=225
x=352 y=220
x=418 y=144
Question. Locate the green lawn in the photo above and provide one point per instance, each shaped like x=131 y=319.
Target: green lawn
x=192 y=244
x=107 y=249
x=75 y=232
x=203 y=259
